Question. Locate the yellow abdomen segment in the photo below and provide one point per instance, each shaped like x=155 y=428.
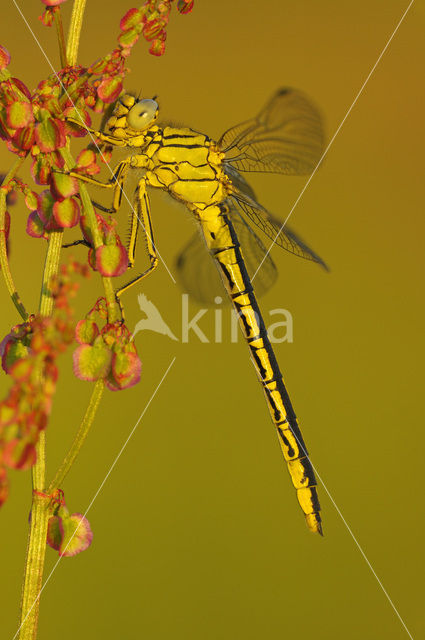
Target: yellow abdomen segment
x=224 y=247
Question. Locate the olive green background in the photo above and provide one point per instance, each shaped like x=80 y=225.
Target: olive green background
x=197 y=532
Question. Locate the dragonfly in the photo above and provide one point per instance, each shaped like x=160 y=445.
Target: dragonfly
x=286 y=137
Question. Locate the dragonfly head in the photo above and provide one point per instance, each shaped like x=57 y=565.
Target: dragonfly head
x=132 y=116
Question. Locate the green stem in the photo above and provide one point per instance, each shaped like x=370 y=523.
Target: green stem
x=80 y=437
x=51 y=266
x=36 y=549
x=4 y=260
x=61 y=37
x=75 y=31
x=111 y=302
x=30 y=603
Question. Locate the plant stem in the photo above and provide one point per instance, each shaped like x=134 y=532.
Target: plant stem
x=80 y=437
x=61 y=37
x=111 y=302
x=4 y=260
x=36 y=549
x=75 y=31
x=51 y=266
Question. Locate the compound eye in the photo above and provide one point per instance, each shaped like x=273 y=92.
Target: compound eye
x=142 y=114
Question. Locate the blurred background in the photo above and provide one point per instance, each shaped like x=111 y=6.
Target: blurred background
x=197 y=531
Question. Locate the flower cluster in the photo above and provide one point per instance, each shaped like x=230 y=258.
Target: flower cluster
x=36 y=125
x=29 y=353
x=108 y=354
x=150 y=20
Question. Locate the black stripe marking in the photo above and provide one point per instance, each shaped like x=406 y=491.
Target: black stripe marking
x=285 y=441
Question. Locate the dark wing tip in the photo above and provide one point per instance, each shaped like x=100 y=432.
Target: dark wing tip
x=323 y=264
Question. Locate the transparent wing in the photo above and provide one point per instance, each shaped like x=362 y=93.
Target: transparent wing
x=199 y=276
x=286 y=137
x=244 y=200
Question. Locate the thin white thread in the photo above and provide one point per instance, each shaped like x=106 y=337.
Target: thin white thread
x=93 y=139
x=97 y=493
x=362 y=552
x=333 y=138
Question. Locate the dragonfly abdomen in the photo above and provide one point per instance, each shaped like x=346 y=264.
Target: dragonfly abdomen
x=224 y=246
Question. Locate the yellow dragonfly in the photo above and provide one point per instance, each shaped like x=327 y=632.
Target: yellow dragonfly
x=286 y=137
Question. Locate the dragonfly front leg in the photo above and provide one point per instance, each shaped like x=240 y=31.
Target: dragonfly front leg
x=103 y=137
x=116 y=182
x=140 y=215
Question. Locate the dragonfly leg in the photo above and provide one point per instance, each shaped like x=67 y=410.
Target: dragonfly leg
x=140 y=215
x=104 y=137
x=76 y=243
x=116 y=182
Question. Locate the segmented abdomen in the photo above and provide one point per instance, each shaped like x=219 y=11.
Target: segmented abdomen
x=224 y=246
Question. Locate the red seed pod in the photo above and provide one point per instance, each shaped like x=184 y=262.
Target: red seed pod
x=31 y=199
x=19 y=114
x=79 y=114
x=19 y=453
x=4 y=57
x=22 y=87
x=185 y=6
x=63 y=185
x=129 y=38
x=45 y=202
x=35 y=227
x=4 y=486
x=13 y=351
x=109 y=89
x=40 y=170
x=86 y=331
x=132 y=18
x=111 y=260
x=126 y=369
x=92 y=362
x=153 y=29
x=69 y=534
x=157 y=47
x=52 y=3
x=86 y=162
x=24 y=138
x=50 y=134
x=66 y=212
